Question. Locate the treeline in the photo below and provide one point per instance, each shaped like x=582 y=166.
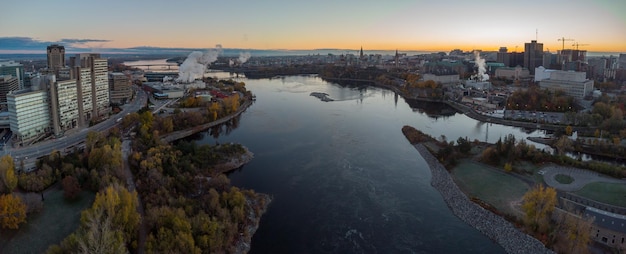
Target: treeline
x=273 y=71
x=509 y=151
x=536 y=99
x=448 y=153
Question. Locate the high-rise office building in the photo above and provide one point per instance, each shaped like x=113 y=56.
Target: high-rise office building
x=94 y=89
x=56 y=57
x=621 y=64
x=120 y=86
x=29 y=116
x=8 y=83
x=14 y=69
x=533 y=55
x=503 y=56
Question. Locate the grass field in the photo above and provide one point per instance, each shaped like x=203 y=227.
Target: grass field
x=57 y=220
x=494 y=187
x=563 y=179
x=610 y=193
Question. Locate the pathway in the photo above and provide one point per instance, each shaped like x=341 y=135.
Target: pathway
x=130 y=182
x=581 y=177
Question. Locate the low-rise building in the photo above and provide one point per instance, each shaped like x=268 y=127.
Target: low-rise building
x=573 y=83
x=512 y=73
x=443 y=79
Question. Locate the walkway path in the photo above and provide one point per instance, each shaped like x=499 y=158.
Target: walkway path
x=581 y=177
x=130 y=182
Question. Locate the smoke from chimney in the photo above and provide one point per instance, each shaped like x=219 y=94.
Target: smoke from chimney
x=196 y=64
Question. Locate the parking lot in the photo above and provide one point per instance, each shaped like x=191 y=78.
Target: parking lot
x=541 y=117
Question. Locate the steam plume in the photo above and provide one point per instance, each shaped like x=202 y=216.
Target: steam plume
x=243 y=57
x=482 y=67
x=196 y=64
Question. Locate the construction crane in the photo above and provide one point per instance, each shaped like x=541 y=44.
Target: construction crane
x=576 y=44
x=563 y=40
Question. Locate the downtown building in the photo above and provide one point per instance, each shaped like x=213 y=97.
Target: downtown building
x=120 y=85
x=574 y=84
x=65 y=98
x=533 y=55
x=14 y=69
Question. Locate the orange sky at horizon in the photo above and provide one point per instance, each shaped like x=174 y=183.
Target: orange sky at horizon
x=406 y=25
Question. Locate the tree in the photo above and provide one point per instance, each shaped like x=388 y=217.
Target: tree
x=576 y=232
x=538 y=204
x=120 y=206
x=568 y=130
x=71 y=187
x=97 y=235
x=7 y=173
x=12 y=211
x=508 y=167
x=563 y=144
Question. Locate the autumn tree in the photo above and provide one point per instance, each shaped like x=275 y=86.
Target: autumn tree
x=7 y=174
x=117 y=203
x=71 y=187
x=538 y=204
x=99 y=236
x=12 y=211
x=568 y=130
x=575 y=231
x=563 y=144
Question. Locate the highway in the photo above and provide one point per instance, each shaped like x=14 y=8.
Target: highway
x=30 y=153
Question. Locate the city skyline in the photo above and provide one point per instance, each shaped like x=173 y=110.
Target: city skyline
x=597 y=26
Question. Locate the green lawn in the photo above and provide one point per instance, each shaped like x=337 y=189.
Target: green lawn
x=57 y=220
x=494 y=187
x=610 y=193
x=563 y=179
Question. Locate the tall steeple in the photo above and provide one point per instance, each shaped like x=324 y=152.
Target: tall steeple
x=361 y=52
x=397 y=59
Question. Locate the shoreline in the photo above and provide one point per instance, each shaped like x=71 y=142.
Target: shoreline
x=235 y=162
x=491 y=225
x=176 y=135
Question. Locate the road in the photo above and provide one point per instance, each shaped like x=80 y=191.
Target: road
x=30 y=153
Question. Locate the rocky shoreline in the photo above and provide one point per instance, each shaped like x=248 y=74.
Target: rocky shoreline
x=244 y=242
x=235 y=161
x=488 y=223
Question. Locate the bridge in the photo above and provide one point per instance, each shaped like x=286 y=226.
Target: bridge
x=169 y=66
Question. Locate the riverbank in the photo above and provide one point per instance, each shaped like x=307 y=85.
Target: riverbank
x=234 y=162
x=244 y=242
x=491 y=225
x=176 y=135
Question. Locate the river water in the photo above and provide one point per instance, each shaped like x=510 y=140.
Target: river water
x=342 y=176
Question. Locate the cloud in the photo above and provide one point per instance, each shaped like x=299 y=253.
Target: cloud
x=80 y=41
x=28 y=43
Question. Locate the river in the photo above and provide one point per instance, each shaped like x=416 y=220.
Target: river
x=343 y=177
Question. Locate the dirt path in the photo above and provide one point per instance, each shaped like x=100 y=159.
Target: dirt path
x=130 y=182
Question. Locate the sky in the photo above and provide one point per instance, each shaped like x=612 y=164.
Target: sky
x=423 y=25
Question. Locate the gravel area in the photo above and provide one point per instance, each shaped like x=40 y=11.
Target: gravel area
x=491 y=225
